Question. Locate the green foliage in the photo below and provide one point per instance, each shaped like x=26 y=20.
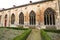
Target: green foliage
x=54 y=31
x=44 y=35
x=16 y=28
x=23 y=36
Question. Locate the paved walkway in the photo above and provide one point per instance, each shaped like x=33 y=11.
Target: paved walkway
x=34 y=35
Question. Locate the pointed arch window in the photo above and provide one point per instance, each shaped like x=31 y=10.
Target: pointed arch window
x=12 y=19
x=49 y=16
x=32 y=18
x=21 y=18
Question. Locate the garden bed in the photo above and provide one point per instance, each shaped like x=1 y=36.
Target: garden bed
x=11 y=33
x=50 y=34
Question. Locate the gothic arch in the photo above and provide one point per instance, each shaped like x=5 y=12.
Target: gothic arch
x=21 y=18
x=12 y=19
x=5 y=16
x=32 y=18
x=49 y=16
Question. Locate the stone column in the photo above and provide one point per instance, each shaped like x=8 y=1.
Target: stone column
x=49 y=19
x=46 y=19
x=26 y=20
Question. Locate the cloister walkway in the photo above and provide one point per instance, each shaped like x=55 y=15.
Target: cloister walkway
x=34 y=35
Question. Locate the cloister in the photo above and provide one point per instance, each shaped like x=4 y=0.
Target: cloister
x=38 y=14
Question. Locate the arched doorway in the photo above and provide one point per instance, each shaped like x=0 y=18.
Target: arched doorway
x=49 y=16
x=12 y=19
x=21 y=18
x=5 y=20
x=32 y=18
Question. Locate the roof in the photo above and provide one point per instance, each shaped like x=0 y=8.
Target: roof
x=26 y=5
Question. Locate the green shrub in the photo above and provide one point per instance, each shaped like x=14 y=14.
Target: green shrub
x=23 y=36
x=15 y=28
x=44 y=35
x=54 y=31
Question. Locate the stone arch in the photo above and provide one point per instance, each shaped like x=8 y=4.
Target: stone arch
x=21 y=18
x=49 y=16
x=32 y=18
x=6 y=16
x=12 y=18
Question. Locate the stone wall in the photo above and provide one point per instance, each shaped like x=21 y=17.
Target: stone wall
x=38 y=8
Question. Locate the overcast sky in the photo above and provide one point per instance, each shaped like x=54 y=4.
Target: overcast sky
x=10 y=3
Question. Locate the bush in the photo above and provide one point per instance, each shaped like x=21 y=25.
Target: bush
x=54 y=31
x=44 y=35
x=15 y=28
x=23 y=36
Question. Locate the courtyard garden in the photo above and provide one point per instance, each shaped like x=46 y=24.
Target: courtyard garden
x=11 y=33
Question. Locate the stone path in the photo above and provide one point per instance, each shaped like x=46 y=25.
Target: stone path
x=34 y=35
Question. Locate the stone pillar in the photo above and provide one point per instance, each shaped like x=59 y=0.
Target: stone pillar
x=26 y=21
x=49 y=19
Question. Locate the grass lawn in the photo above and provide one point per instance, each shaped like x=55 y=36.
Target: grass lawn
x=50 y=34
x=55 y=34
x=10 y=33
